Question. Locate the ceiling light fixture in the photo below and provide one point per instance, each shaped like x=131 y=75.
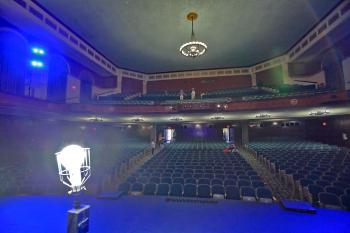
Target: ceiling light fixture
x=194 y=48
x=137 y=119
x=217 y=117
x=319 y=112
x=263 y=115
x=176 y=118
x=96 y=119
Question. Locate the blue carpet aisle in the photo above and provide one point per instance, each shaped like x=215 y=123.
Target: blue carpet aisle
x=43 y=214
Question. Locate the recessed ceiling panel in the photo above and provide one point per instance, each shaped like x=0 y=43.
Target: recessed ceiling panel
x=145 y=35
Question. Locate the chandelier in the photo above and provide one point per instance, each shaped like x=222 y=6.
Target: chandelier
x=194 y=48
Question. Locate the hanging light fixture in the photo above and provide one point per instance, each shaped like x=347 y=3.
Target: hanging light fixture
x=194 y=48
x=74 y=167
x=320 y=112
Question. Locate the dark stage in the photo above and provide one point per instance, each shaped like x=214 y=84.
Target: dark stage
x=48 y=214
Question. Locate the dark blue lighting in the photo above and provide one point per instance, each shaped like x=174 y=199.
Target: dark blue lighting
x=42 y=214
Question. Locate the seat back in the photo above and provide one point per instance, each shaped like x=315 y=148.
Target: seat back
x=136 y=189
x=230 y=182
x=178 y=180
x=257 y=183
x=176 y=190
x=166 y=180
x=243 y=183
x=163 y=190
x=218 y=191
x=190 y=181
x=149 y=189
x=345 y=201
x=190 y=190
x=314 y=191
x=329 y=200
x=216 y=182
x=337 y=191
x=204 y=191
x=247 y=193
x=155 y=180
x=124 y=187
x=204 y=181
x=264 y=195
x=232 y=192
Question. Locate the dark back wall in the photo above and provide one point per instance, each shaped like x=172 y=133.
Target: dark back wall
x=200 y=84
x=268 y=130
x=189 y=132
x=130 y=85
x=270 y=77
x=329 y=130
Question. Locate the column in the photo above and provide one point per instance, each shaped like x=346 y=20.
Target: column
x=286 y=78
x=120 y=80
x=346 y=71
x=253 y=77
x=144 y=87
x=153 y=135
x=73 y=89
x=245 y=132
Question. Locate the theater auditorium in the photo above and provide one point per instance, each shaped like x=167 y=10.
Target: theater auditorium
x=164 y=116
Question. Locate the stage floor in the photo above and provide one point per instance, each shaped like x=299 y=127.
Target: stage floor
x=48 y=214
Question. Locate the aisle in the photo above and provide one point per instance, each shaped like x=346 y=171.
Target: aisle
x=278 y=189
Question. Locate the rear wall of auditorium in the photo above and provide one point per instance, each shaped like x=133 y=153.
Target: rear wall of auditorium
x=200 y=84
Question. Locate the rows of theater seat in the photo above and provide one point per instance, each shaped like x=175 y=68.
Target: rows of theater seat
x=114 y=97
x=282 y=95
x=23 y=179
x=207 y=96
x=26 y=170
x=121 y=99
x=289 y=88
x=40 y=174
x=109 y=158
x=197 y=170
x=197 y=101
x=317 y=172
x=161 y=96
x=238 y=92
x=217 y=96
x=126 y=102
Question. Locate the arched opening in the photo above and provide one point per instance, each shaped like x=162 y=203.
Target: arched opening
x=58 y=71
x=13 y=62
x=86 y=81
